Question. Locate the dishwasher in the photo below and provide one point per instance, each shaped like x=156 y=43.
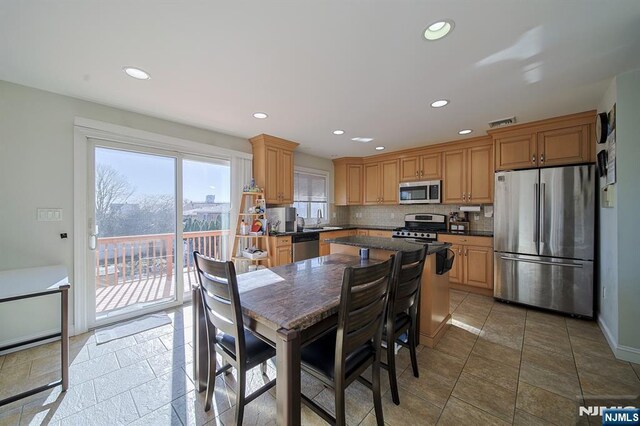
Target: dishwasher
x=305 y=245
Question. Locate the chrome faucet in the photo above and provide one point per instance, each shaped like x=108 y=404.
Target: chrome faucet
x=319 y=216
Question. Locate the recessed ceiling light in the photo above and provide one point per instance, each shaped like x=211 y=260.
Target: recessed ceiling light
x=136 y=73
x=259 y=115
x=379 y=148
x=439 y=103
x=465 y=132
x=338 y=132
x=364 y=140
x=438 y=29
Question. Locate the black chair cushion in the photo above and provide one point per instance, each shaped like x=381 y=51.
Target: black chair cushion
x=257 y=350
x=319 y=356
x=403 y=320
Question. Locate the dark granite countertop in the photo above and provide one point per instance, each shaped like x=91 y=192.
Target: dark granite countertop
x=469 y=233
x=342 y=228
x=296 y=295
x=391 y=244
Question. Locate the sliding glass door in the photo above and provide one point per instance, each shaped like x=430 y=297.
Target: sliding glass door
x=150 y=210
x=135 y=231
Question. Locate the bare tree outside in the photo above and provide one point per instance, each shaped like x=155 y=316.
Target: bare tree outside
x=111 y=188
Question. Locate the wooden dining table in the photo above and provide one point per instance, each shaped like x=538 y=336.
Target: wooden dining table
x=288 y=306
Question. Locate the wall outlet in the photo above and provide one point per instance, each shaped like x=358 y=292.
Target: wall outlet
x=476 y=216
x=604 y=292
x=393 y=215
x=334 y=215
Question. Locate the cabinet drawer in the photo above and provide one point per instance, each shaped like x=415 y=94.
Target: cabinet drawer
x=283 y=241
x=378 y=233
x=466 y=240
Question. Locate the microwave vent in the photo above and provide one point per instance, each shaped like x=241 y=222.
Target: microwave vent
x=502 y=122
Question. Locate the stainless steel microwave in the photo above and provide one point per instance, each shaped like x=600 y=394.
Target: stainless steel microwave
x=425 y=192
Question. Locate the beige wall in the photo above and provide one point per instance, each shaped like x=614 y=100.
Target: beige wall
x=36 y=170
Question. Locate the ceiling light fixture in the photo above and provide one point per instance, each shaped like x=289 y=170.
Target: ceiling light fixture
x=465 y=132
x=136 y=73
x=439 y=103
x=259 y=115
x=379 y=148
x=438 y=29
x=363 y=140
x=338 y=132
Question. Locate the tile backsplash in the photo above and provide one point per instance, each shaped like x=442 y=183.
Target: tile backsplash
x=394 y=215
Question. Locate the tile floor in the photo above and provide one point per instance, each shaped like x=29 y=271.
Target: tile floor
x=497 y=364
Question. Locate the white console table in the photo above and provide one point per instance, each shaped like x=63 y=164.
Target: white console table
x=19 y=284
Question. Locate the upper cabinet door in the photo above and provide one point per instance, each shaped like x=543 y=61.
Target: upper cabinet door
x=480 y=175
x=285 y=172
x=354 y=184
x=564 y=146
x=516 y=152
x=453 y=177
x=410 y=169
x=271 y=187
x=372 y=183
x=431 y=166
x=389 y=185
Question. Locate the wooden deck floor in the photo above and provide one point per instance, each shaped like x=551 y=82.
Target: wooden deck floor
x=128 y=293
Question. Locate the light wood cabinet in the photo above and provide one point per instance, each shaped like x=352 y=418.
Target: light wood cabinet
x=381 y=182
x=421 y=167
x=554 y=142
x=363 y=232
x=569 y=145
x=516 y=152
x=348 y=176
x=478 y=266
x=468 y=175
x=473 y=264
x=379 y=233
x=281 y=250
x=273 y=167
x=325 y=247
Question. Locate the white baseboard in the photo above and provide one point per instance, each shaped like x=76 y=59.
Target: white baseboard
x=625 y=353
x=33 y=336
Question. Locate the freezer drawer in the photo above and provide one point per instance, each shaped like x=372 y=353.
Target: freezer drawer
x=551 y=283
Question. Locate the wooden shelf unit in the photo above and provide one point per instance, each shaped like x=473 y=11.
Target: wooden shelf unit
x=240 y=242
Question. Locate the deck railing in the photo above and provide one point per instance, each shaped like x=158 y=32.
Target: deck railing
x=152 y=257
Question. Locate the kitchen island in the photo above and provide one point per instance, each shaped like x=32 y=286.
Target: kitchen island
x=433 y=312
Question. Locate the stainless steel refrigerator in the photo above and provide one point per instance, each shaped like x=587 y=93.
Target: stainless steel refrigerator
x=544 y=235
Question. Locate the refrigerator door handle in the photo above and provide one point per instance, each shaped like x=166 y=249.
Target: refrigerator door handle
x=535 y=209
x=542 y=262
x=542 y=206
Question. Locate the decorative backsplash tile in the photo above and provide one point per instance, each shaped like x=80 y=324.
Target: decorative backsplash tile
x=394 y=215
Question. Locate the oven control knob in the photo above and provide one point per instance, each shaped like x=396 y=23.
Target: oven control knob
x=415 y=234
x=422 y=235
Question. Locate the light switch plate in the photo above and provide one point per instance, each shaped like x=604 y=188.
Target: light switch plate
x=49 y=215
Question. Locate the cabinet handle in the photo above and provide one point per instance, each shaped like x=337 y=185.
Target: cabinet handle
x=417 y=173
x=533 y=159
x=421 y=172
x=464 y=196
x=469 y=196
x=541 y=158
x=466 y=252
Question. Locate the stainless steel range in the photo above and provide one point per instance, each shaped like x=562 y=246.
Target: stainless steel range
x=421 y=227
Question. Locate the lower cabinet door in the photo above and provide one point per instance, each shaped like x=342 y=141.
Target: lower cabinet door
x=325 y=249
x=455 y=274
x=283 y=255
x=478 y=266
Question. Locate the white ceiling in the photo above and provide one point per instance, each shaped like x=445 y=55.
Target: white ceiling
x=316 y=66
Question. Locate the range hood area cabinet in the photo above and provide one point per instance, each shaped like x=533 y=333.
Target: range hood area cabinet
x=468 y=175
x=421 y=167
x=548 y=143
x=273 y=167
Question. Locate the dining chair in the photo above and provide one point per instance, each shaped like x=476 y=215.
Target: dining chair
x=402 y=312
x=226 y=334
x=342 y=355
